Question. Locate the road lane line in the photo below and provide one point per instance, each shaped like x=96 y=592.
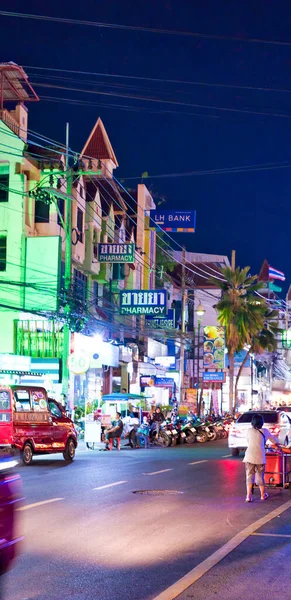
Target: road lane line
x=226 y=455
x=198 y=462
x=35 y=504
x=103 y=487
x=283 y=535
x=185 y=582
x=158 y=472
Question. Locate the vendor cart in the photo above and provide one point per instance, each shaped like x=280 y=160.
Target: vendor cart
x=278 y=468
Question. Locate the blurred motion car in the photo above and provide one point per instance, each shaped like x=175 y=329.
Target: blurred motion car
x=278 y=423
x=10 y=501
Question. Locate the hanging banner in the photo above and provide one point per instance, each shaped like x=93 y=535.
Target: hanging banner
x=182 y=221
x=143 y=302
x=213 y=347
x=116 y=253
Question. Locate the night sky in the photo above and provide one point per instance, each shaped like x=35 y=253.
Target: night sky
x=249 y=211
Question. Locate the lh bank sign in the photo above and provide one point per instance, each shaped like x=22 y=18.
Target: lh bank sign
x=183 y=221
x=143 y=302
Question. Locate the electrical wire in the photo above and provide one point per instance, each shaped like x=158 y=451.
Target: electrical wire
x=118 y=26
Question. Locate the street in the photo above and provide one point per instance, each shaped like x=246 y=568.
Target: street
x=88 y=535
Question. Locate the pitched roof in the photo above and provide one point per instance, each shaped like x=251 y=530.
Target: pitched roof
x=264 y=272
x=98 y=144
x=200 y=277
x=109 y=194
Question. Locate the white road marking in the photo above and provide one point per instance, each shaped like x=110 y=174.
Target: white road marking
x=198 y=462
x=103 y=487
x=226 y=455
x=35 y=504
x=284 y=535
x=158 y=472
x=182 y=584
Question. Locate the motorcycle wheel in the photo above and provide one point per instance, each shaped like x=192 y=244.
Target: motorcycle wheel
x=174 y=441
x=201 y=437
x=164 y=440
x=190 y=438
x=212 y=435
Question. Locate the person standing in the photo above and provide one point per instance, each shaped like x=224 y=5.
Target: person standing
x=255 y=456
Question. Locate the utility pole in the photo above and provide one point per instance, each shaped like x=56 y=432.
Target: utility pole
x=183 y=325
x=68 y=269
x=233 y=253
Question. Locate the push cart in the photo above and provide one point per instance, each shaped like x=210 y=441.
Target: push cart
x=278 y=468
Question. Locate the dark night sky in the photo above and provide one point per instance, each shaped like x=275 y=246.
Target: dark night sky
x=250 y=212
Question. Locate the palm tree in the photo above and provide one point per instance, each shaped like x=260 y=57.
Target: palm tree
x=241 y=311
x=264 y=340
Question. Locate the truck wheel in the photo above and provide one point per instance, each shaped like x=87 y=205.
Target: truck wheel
x=235 y=451
x=27 y=454
x=69 y=453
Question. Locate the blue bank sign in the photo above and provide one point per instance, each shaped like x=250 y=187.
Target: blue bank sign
x=143 y=302
x=182 y=221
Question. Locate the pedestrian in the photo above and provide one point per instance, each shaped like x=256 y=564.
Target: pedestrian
x=255 y=456
x=114 y=431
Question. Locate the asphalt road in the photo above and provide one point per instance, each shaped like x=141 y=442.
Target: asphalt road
x=88 y=535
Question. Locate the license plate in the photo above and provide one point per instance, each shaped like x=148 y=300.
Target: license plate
x=207 y=429
x=174 y=430
x=183 y=434
x=168 y=432
x=193 y=429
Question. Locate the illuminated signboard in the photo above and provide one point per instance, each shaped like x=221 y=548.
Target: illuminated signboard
x=116 y=253
x=166 y=322
x=218 y=376
x=213 y=347
x=182 y=221
x=143 y=302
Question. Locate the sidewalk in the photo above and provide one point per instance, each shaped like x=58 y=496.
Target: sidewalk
x=258 y=568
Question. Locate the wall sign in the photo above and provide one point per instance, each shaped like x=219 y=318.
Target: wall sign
x=213 y=347
x=116 y=253
x=143 y=302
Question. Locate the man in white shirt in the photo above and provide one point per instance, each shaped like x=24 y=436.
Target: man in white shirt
x=255 y=456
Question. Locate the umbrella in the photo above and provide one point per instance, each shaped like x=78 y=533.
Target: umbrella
x=118 y=397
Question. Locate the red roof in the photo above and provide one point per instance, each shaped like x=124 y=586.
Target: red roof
x=98 y=144
x=14 y=84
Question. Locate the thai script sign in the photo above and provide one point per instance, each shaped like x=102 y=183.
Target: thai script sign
x=143 y=302
x=116 y=253
x=183 y=221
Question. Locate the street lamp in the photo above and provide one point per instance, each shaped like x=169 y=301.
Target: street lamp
x=200 y=310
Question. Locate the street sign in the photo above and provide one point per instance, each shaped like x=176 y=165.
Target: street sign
x=116 y=253
x=143 y=302
x=218 y=376
x=165 y=322
x=182 y=221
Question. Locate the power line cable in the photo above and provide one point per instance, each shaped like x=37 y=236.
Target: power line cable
x=118 y=26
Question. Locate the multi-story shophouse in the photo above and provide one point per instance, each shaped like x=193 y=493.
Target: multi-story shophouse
x=32 y=251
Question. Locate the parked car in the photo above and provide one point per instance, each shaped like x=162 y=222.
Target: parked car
x=278 y=423
x=32 y=423
x=10 y=499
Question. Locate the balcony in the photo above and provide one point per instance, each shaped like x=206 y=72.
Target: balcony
x=38 y=339
x=9 y=120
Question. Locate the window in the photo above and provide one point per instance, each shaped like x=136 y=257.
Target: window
x=55 y=409
x=80 y=286
x=4 y=185
x=269 y=417
x=3 y=252
x=61 y=207
x=80 y=216
x=42 y=212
